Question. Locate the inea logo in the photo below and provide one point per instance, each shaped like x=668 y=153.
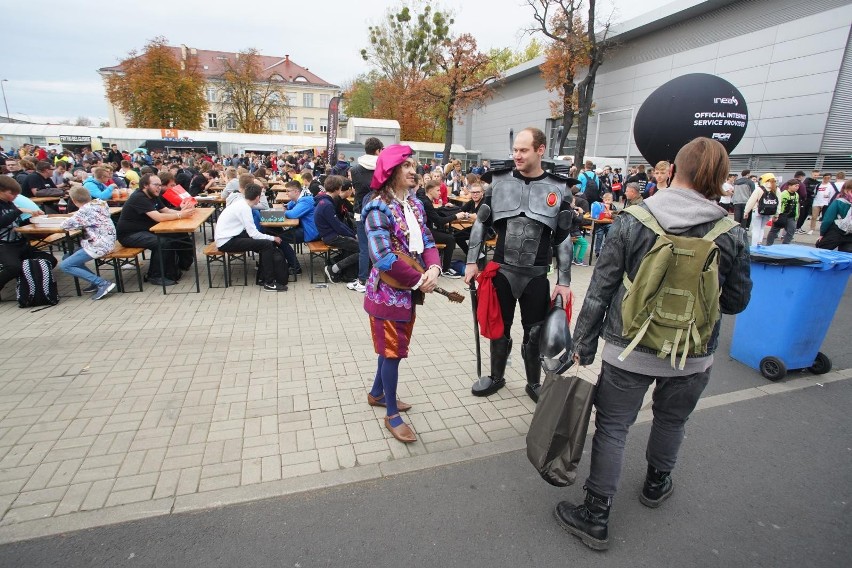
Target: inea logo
x=731 y=101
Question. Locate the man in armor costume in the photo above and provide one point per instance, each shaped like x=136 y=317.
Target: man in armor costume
x=530 y=210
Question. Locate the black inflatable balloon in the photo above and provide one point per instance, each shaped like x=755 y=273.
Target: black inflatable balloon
x=687 y=107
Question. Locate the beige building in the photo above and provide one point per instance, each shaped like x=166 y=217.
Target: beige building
x=306 y=94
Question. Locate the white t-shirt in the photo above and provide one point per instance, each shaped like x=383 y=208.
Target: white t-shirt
x=824 y=193
x=729 y=191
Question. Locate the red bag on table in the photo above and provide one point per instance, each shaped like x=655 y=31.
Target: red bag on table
x=176 y=194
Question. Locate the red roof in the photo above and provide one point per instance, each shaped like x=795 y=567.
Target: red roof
x=212 y=64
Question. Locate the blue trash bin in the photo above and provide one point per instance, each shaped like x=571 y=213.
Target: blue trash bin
x=796 y=292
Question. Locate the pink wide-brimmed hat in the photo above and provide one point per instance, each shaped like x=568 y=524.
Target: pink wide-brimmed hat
x=389 y=158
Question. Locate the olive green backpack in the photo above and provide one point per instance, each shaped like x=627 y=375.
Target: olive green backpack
x=672 y=304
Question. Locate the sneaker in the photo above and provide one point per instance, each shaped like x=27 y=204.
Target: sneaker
x=297 y=270
x=332 y=277
x=351 y=285
x=809 y=233
x=103 y=290
x=360 y=287
x=581 y=263
x=274 y=287
x=451 y=274
x=800 y=231
x=90 y=289
x=158 y=281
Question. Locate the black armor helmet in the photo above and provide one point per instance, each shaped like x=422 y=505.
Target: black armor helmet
x=555 y=342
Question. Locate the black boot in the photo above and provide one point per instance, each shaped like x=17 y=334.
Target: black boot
x=587 y=521
x=658 y=487
x=531 y=353
x=490 y=384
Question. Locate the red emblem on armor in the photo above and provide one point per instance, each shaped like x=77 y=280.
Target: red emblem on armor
x=551 y=199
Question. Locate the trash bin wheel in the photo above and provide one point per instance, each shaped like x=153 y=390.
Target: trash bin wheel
x=822 y=364
x=773 y=368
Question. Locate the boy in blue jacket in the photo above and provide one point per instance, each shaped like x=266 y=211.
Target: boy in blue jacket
x=333 y=231
x=301 y=206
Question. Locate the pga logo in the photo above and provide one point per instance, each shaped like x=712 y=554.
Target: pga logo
x=726 y=101
x=721 y=136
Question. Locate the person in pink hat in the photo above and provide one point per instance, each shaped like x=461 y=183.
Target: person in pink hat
x=395 y=224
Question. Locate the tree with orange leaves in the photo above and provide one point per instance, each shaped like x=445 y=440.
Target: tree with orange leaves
x=574 y=45
x=155 y=90
x=461 y=82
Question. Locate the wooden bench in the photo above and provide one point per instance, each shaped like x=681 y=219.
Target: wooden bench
x=213 y=255
x=318 y=249
x=120 y=256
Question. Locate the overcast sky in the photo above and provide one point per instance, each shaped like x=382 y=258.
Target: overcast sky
x=51 y=54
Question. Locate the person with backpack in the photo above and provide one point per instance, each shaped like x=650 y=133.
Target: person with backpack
x=685 y=222
x=788 y=212
x=763 y=205
x=836 y=228
x=589 y=184
x=14 y=247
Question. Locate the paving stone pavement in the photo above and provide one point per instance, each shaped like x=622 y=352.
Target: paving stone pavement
x=144 y=398
x=144 y=403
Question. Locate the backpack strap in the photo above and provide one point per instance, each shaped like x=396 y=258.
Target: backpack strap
x=721 y=227
x=644 y=216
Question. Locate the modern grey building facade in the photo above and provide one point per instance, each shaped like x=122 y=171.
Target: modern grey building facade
x=791 y=60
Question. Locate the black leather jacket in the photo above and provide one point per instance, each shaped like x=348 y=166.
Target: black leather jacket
x=627 y=243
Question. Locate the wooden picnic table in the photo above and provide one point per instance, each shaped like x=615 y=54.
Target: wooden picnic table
x=280 y=224
x=40 y=200
x=188 y=225
x=459 y=199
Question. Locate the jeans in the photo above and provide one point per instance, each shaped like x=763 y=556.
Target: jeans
x=789 y=229
x=75 y=265
x=739 y=212
x=618 y=399
x=600 y=237
x=363 y=251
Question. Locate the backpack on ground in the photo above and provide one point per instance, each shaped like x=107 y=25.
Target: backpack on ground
x=768 y=203
x=672 y=304
x=845 y=222
x=36 y=285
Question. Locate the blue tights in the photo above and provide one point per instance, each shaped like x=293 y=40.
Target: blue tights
x=387 y=377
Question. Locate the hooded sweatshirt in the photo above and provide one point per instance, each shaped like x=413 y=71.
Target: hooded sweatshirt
x=94 y=218
x=362 y=175
x=743 y=188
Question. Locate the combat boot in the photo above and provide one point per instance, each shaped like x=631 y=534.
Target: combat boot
x=489 y=384
x=658 y=487
x=588 y=521
x=531 y=354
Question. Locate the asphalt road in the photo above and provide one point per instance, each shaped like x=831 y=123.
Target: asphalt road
x=764 y=482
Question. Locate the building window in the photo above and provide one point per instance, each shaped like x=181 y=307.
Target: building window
x=308 y=99
x=291 y=99
x=323 y=125
x=325 y=100
x=309 y=125
x=275 y=124
x=231 y=122
x=211 y=94
x=292 y=124
x=212 y=120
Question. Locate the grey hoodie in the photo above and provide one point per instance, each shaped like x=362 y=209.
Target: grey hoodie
x=669 y=208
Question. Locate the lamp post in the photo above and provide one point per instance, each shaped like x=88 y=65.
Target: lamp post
x=4 y=98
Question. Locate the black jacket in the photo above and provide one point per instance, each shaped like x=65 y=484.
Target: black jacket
x=361 y=178
x=436 y=219
x=627 y=243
